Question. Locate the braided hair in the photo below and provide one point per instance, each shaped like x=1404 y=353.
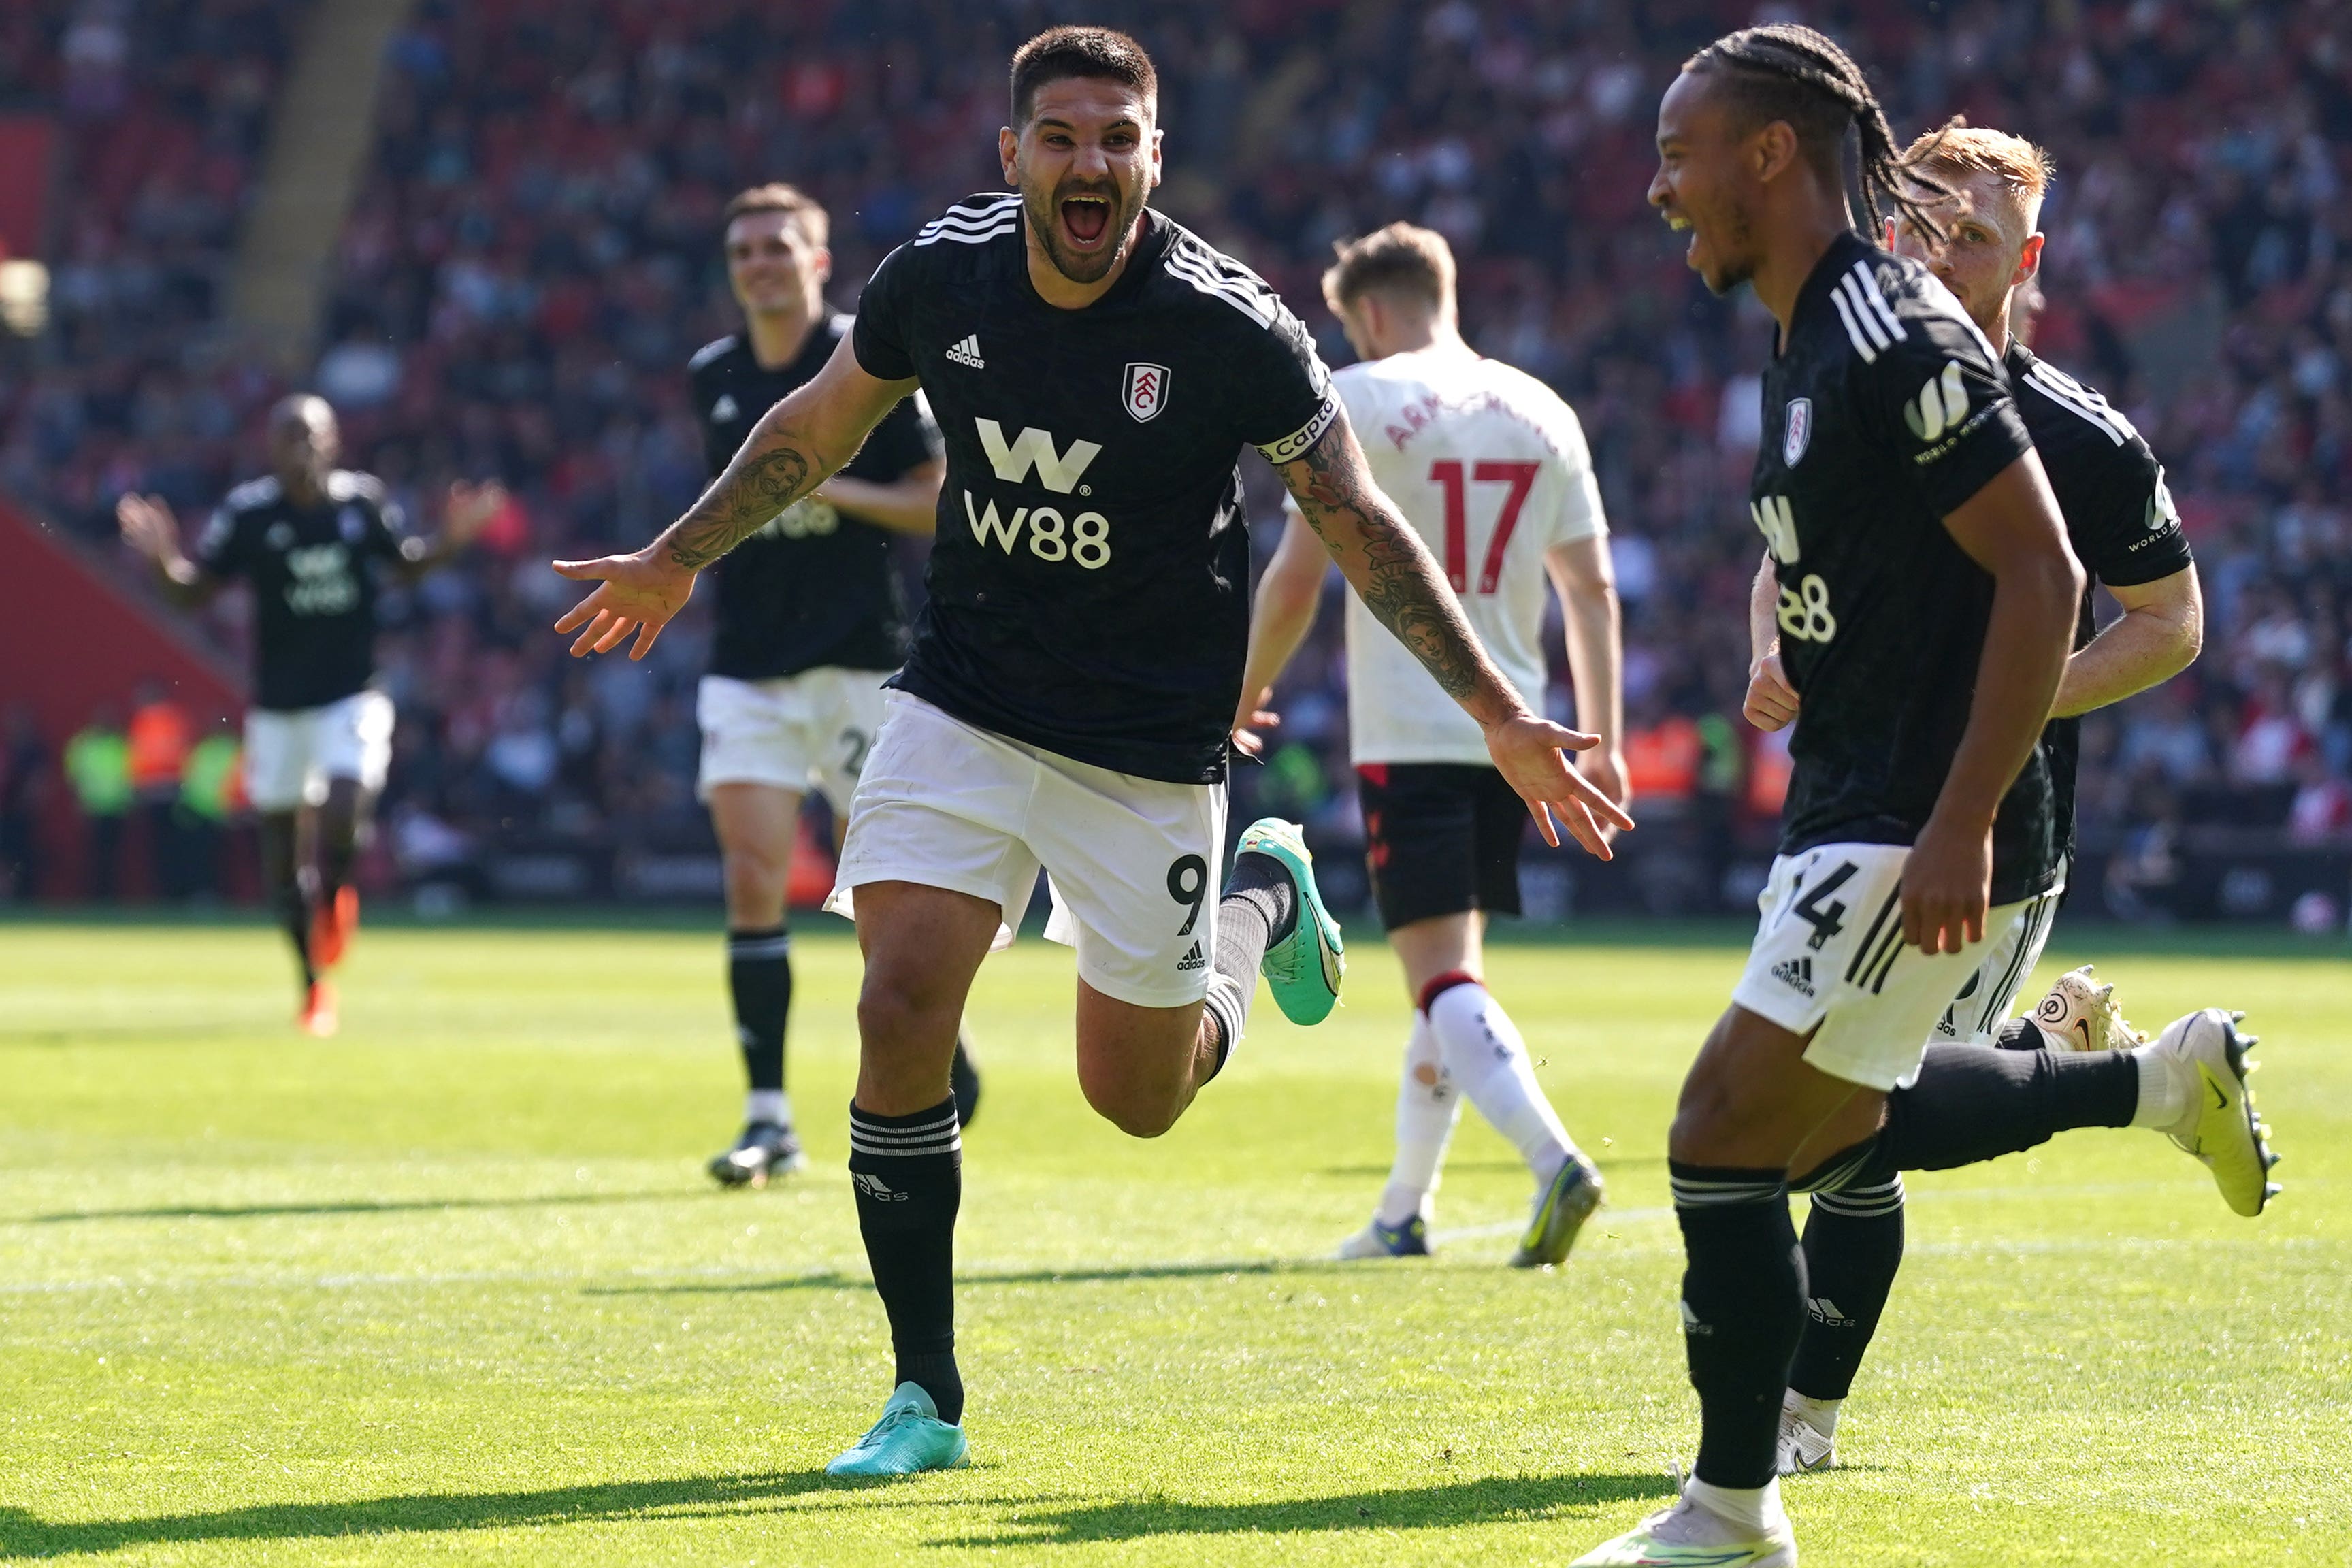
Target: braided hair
x=1784 y=71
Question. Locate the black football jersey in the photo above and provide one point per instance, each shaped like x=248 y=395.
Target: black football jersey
x=814 y=586
x=314 y=585
x=2120 y=518
x=1885 y=413
x=1089 y=590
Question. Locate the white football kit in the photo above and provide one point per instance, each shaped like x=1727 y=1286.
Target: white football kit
x=1491 y=469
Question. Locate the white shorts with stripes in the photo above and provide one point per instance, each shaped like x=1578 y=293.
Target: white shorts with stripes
x=1989 y=996
x=1830 y=961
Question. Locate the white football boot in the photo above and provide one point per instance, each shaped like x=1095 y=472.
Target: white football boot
x=1804 y=1446
x=2081 y=1014
x=1689 y=1536
x=2220 y=1129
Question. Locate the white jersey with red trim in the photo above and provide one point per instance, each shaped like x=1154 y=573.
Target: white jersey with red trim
x=1490 y=466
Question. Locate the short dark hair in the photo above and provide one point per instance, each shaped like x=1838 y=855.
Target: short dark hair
x=1059 y=53
x=1403 y=257
x=777 y=198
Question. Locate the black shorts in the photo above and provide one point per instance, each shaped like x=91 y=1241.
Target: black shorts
x=1441 y=838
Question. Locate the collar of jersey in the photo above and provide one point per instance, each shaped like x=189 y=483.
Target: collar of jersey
x=1835 y=263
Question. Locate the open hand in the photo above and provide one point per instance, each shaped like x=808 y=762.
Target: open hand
x=469 y=509
x=1529 y=752
x=635 y=593
x=1771 y=701
x=1251 y=716
x=1947 y=886
x=148 y=527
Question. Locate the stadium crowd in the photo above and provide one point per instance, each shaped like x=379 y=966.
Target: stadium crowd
x=532 y=256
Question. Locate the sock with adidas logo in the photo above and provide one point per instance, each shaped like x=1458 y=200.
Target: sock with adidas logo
x=1260 y=908
x=907 y=1172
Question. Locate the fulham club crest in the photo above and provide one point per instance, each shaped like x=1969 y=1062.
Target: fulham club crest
x=1796 y=430
x=1147 y=391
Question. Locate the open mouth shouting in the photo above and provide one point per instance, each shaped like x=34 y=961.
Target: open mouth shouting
x=1085 y=222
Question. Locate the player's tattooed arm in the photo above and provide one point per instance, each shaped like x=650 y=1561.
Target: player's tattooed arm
x=1392 y=571
x=770 y=473
x=788 y=454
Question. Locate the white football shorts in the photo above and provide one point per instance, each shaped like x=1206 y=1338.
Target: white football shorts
x=1987 y=997
x=1134 y=864
x=291 y=752
x=1830 y=959
x=804 y=731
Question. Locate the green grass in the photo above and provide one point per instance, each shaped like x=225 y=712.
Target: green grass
x=453 y=1288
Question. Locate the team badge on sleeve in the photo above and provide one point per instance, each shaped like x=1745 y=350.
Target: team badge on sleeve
x=1796 y=430
x=1146 y=390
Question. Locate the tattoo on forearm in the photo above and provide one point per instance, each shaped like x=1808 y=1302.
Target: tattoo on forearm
x=1400 y=585
x=739 y=503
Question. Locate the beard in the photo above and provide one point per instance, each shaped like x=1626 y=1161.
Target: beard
x=1044 y=211
x=1737 y=255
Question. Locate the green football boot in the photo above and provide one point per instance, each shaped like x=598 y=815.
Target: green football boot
x=910 y=1437
x=1561 y=1209
x=1303 y=969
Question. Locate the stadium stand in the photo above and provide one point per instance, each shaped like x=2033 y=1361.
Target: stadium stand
x=531 y=258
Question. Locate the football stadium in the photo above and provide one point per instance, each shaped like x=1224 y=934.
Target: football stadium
x=1254 y=780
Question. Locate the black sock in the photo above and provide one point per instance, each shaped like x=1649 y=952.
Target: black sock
x=337 y=850
x=1976 y=1102
x=963 y=1083
x=1260 y=908
x=1743 y=1309
x=759 y=977
x=908 y=1171
x=2021 y=1035
x=293 y=899
x=1854 y=1248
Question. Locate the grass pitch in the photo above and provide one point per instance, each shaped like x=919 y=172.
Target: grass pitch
x=453 y=1288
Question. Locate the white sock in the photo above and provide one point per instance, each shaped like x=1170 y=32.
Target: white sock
x=1755 y=1509
x=1489 y=1063
x=2164 y=1093
x=1821 y=1415
x=1427 y=1108
x=768 y=1105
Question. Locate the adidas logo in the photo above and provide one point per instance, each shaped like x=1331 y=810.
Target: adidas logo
x=874 y=1187
x=967 y=352
x=1796 y=973
x=1191 y=960
x=1825 y=1311
x=1691 y=1324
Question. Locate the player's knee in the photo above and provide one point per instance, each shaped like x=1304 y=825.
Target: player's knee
x=1706 y=1118
x=893 y=1011
x=1140 y=1109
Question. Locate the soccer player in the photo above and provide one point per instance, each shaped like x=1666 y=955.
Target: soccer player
x=811 y=621
x=1924 y=597
x=1490 y=466
x=1096 y=368
x=309 y=537
x=1968 y=1102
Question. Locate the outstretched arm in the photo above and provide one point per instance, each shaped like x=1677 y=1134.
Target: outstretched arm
x=148 y=527
x=1392 y=571
x=1586 y=580
x=1279 y=621
x=907 y=504
x=788 y=454
x=467 y=511
x=2156 y=638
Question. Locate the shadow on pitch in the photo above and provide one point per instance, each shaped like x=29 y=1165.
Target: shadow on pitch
x=832 y=1279
x=359 y=1207
x=1490 y=1499
x=23 y=1534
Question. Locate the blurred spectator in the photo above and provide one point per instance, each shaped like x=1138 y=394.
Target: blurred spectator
x=211 y=792
x=23 y=791
x=97 y=767
x=158 y=739
x=532 y=254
